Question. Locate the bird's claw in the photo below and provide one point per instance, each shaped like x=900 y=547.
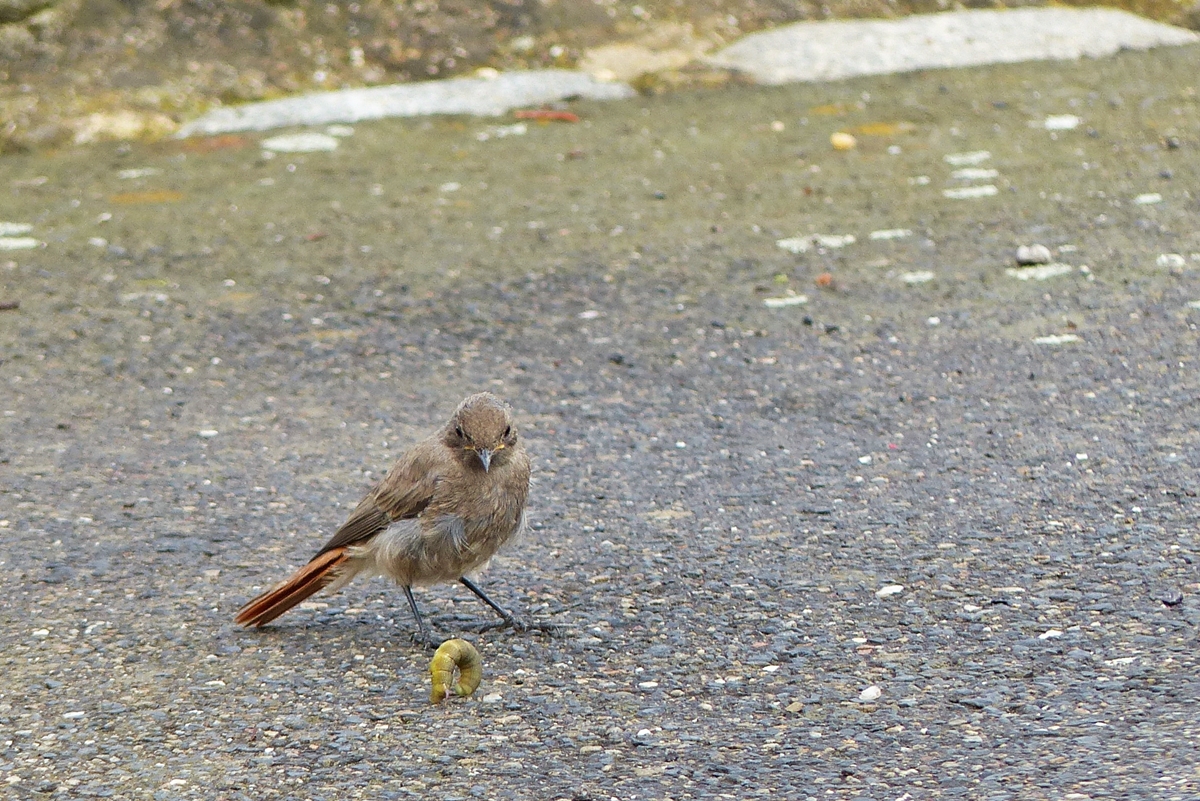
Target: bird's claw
x=520 y=624
x=426 y=639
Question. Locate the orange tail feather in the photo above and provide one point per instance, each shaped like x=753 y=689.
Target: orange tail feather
x=308 y=580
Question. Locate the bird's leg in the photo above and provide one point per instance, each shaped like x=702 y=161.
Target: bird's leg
x=508 y=618
x=422 y=636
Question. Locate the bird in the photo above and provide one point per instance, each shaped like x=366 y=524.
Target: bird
x=439 y=515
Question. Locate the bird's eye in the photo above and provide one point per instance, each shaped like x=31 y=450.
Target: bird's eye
x=458 y=430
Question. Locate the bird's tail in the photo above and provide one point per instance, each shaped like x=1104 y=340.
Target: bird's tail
x=323 y=570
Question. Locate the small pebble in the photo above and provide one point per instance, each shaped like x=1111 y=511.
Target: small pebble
x=802 y=244
x=967 y=159
x=1148 y=199
x=969 y=192
x=870 y=694
x=843 y=141
x=975 y=174
x=1056 y=339
x=137 y=172
x=1170 y=597
x=1060 y=122
x=501 y=131
x=1040 y=272
x=917 y=277
x=789 y=300
x=1172 y=261
x=1052 y=634
x=890 y=589
x=890 y=233
x=1033 y=254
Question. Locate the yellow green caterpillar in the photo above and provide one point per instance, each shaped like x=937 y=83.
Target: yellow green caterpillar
x=450 y=655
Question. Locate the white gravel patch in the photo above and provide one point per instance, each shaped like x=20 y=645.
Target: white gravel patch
x=837 y=49
x=481 y=96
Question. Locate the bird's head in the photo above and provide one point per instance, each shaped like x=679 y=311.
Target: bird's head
x=482 y=431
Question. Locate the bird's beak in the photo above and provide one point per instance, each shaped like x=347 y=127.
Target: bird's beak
x=485 y=457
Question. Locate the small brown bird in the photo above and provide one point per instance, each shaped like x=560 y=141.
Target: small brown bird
x=440 y=514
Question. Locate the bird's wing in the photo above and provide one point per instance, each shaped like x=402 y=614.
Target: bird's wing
x=403 y=494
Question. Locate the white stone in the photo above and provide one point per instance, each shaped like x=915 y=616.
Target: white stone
x=1033 y=254
x=967 y=159
x=975 y=174
x=969 y=192
x=137 y=172
x=784 y=302
x=890 y=233
x=1060 y=122
x=1040 y=272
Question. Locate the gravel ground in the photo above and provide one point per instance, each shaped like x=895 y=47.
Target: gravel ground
x=723 y=490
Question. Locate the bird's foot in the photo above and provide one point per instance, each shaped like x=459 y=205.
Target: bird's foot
x=520 y=624
x=427 y=639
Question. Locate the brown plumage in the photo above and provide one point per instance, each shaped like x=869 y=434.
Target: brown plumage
x=440 y=514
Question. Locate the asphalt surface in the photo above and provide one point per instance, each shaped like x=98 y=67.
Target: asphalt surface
x=722 y=489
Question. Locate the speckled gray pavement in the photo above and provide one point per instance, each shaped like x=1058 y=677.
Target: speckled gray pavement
x=929 y=535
